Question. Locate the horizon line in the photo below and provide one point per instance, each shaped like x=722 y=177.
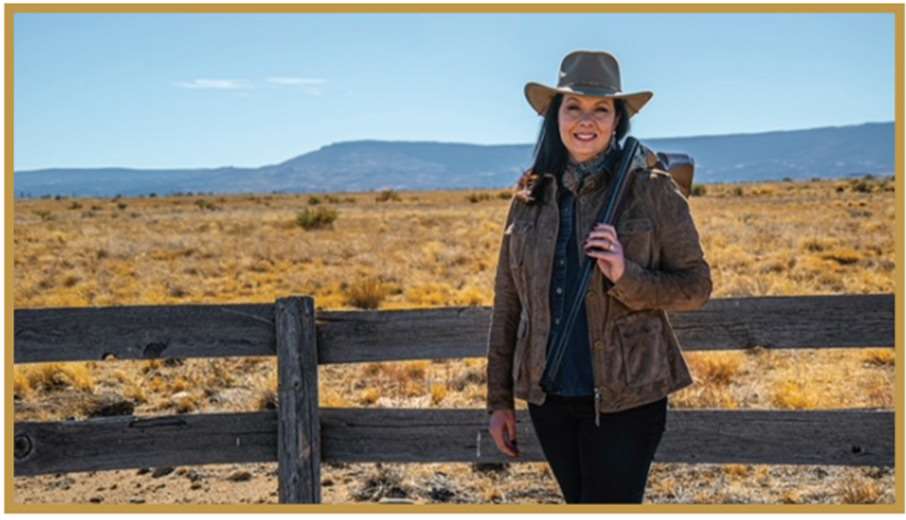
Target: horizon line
x=408 y=141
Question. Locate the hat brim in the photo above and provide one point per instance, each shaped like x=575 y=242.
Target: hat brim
x=539 y=96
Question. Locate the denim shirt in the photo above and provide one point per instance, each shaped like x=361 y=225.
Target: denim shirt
x=575 y=377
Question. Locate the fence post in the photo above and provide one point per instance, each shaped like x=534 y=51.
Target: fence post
x=299 y=427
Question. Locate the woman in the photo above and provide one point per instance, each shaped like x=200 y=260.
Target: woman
x=600 y=424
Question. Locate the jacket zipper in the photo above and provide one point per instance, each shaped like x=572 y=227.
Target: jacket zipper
x=597 y=406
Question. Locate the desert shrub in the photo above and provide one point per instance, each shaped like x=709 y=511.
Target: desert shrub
x=314 y=200
x=204 y=204
x=698 y=190
x=43 y=214
x=388 y=195
x=318 y=218
x=861 y=187
x=478 y=197
x=366 y=293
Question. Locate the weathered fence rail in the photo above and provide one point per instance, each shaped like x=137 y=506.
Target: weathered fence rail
x=299 y=434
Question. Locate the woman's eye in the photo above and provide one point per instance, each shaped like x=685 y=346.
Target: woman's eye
x=603 y=109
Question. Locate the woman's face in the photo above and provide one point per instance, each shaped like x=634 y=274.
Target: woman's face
x=586 y=125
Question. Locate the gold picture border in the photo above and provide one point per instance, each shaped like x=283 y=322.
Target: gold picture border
x=15 y=8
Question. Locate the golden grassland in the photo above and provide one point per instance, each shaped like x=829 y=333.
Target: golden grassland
x=425 y=249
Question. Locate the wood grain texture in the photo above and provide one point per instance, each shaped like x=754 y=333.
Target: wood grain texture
x=143 y=332
x=834 y=437
x=831 y=437
x=137 y=442
x=299 y=429
x=452 y=332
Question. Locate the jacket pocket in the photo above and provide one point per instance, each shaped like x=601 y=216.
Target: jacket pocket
x=644 y=348
x=636 y=235
x=519 y=233
x=521 y=343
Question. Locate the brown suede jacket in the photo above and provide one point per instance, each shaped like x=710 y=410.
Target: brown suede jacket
x=636 y=356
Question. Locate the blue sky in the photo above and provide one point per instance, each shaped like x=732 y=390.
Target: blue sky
x=208 y=90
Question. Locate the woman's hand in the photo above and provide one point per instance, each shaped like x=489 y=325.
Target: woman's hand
x=503 y=431
x=603 y=245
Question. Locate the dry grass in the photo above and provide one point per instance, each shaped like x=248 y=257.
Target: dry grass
x=366 y=293
x=403 y=250
x=879 y=356
x=793 y=394
x=860 y=492
x=52 y=377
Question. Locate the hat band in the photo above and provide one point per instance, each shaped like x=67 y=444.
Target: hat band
x=597 y=88
x=592 y=85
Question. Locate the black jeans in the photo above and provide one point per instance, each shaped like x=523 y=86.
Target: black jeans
x=598 y=464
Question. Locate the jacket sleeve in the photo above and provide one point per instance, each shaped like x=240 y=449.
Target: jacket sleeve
x=683 y=282
x=502 y=334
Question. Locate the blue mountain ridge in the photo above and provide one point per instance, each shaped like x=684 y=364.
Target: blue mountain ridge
x=827 y=152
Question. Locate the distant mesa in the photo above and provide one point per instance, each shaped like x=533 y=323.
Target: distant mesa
x=366 y=165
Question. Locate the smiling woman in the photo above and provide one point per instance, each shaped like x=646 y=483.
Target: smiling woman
x=600 y=420
x=587 y=125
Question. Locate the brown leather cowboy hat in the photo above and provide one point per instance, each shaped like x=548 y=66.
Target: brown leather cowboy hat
x=587 y=73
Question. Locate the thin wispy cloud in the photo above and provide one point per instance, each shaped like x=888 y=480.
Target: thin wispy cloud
x=284 y=80
x=215 y=84
x=311 y=86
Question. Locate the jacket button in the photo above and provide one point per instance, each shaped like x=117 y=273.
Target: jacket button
x=559 y=290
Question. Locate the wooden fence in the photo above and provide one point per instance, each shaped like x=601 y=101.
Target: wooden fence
x=300 y=434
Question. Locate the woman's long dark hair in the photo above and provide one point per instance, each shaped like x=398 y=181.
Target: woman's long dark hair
x=550 y=154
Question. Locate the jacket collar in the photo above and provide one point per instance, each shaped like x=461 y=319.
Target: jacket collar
x=588 y=175
x=645 y=158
